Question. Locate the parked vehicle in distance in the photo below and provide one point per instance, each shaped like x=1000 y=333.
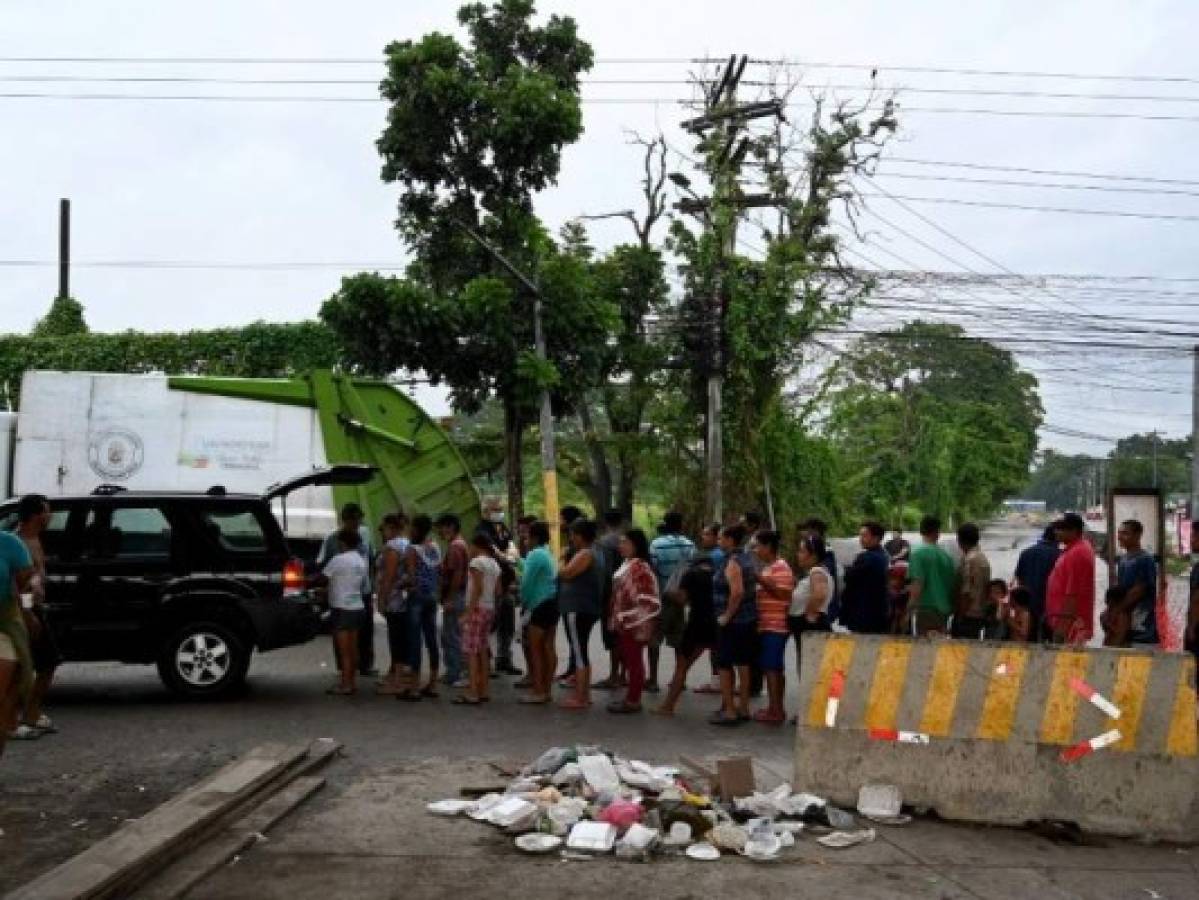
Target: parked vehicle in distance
x=191 y=582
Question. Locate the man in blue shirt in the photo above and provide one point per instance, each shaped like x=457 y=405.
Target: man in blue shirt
x=864 y=606
x=1032 y=573
x=1136 y=572
x=669 y=552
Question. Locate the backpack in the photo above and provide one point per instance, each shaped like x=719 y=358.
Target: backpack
x=674 y=615
x=507 y=576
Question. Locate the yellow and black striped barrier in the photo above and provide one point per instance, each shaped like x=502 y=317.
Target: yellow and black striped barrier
x=1004 y=733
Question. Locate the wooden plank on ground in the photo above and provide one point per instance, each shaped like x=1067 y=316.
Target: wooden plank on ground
x=188 y=871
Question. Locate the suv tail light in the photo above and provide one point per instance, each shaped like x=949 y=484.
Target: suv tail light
x=294 y=581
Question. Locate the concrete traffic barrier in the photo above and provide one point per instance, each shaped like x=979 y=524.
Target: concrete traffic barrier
x=1004 y=733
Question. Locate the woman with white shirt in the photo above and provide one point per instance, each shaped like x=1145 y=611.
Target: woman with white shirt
x=483 y=578
x=812 y=595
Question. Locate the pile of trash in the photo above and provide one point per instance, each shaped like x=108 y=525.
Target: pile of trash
x=584 y=802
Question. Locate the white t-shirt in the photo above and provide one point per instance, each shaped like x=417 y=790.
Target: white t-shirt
x=490 y=570
x=347 y=573
x=803 y=591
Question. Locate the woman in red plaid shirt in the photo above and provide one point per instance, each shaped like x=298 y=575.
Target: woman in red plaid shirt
x=635 y=610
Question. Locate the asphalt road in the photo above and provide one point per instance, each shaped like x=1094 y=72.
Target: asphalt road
x=125 y=744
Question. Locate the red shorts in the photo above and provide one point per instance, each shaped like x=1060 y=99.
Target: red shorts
x=476 y=630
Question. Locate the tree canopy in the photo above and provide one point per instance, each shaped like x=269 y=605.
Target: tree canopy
x=930 y=417
x=64 y=319
x=473 y=132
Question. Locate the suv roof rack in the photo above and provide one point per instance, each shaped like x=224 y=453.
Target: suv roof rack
x=107 y=490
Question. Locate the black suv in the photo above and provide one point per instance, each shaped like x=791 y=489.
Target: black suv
x=193 y=582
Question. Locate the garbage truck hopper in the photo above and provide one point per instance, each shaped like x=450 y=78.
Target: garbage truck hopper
x=371 y=422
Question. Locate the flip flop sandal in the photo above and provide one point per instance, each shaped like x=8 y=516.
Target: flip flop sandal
x=622 y=708
x=465 y=701
x=723 y=720
x=534 y=701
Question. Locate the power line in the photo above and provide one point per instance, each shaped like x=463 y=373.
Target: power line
x=290 y=60
x=961 y=242
x=901 y=89
x=1104 y=176
x=1008 y=182
x=676 y=60
x=626 y=101
x=987 y=204
x=205 y=264
x=214 y=79
x=283 y=98
x=992 y=73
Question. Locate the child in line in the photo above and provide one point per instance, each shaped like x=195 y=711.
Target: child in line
x=483 y=578
x=997 y=609
x=1116 y=623
x=1019 y=620
x=346 y=578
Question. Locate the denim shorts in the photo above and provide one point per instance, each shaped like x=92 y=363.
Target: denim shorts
x=772 y=648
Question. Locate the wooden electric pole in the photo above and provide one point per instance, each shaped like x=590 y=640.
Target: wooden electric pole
x=721 y=126
x=64 y=248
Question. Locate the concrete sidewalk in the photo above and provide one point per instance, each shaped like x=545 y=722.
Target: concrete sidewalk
x=374 y=839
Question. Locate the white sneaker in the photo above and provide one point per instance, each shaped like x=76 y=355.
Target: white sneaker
x=44 y=724
x=24 y=733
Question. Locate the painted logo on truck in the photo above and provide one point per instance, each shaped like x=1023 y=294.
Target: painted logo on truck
x=115 y=454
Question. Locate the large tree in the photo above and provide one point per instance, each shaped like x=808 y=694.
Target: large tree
x=928 y=416
x=614 y=435
x=473 y=133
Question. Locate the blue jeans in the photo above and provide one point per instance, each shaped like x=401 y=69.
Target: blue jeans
x=451 y=640
x=421 y=623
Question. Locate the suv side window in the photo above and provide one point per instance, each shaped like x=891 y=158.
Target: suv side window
x=54 y=538
x=126 y=532
x=235 y=530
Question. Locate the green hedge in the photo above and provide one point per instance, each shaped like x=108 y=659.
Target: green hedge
x=261 y=350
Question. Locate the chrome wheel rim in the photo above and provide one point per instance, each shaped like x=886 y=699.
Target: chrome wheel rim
x=203 y=659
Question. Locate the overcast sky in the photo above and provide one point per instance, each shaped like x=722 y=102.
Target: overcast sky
x=271 y=182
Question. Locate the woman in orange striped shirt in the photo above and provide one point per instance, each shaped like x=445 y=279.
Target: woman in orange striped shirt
x=776 y=582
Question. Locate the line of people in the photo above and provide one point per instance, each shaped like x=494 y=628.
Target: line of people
x=733 y=596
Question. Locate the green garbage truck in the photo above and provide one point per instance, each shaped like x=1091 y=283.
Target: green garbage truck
x=76 y=431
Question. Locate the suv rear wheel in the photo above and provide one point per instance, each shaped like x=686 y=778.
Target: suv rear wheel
x=204 y=659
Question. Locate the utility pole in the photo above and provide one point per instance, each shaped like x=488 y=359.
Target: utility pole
x=1154 y=436
x=64 y=248
x=549 y=463
x=721 y=126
